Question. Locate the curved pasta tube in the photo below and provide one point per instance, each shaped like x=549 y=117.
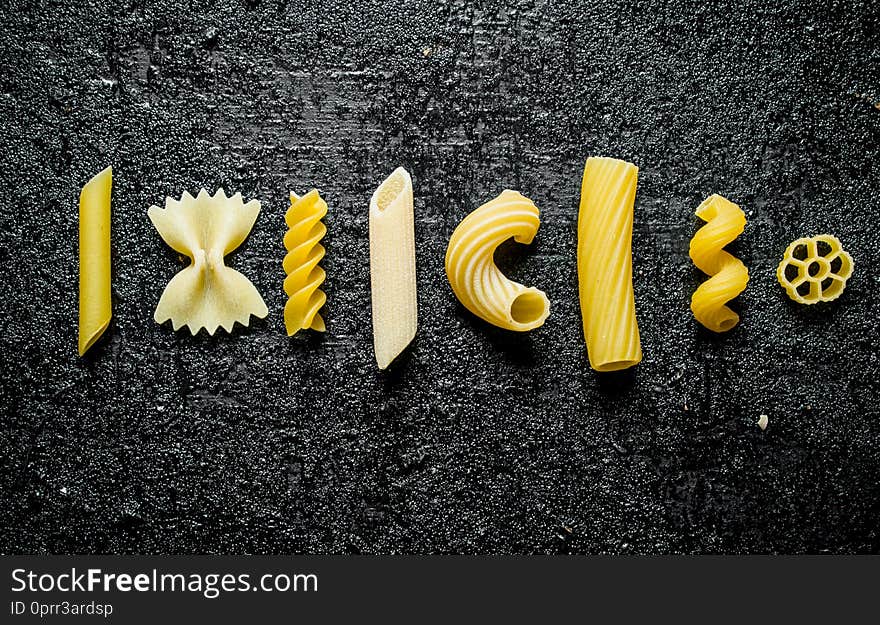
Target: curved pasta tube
x=475 y=279
x=304 y=252
x=393 y=267
x=95 y=308
x=604 y=259
x=207 y=294
x=729 y=276
x=810 y=274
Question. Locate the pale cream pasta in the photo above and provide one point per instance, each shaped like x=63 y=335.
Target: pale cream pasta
x=604 y=259
x=393 y=267
x=470 y=265
x=207 y=294
x=95 y=308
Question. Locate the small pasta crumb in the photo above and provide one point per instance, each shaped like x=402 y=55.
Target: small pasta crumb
x=763 y=421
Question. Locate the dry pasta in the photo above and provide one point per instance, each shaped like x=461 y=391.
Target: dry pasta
x=604 y=254
x=725 y=221
x=393 y=267
x=304 y=252
x=476 y=280
x=814 y=269
x=207 y=294
x=95 y=308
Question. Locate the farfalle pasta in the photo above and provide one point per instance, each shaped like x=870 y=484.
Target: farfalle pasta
x=814 y=269
x=725 y=221
x=304 y=252
x=207 y=294
x=470 y=266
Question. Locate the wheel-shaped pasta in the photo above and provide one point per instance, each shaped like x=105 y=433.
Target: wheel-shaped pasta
x=476 y=280
x=725 y=221
x=814 y=269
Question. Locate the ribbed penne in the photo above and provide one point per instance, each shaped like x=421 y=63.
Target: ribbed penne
x=470 y=266
x=304 y=252
x=604 y=259
x=393 y=267
x=725 y=221
x=95 y=308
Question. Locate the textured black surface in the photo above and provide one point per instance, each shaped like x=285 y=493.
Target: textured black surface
x=479 y=440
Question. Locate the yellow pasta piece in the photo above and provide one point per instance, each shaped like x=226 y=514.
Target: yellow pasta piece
x=393 y=267
x=207 y=293
x=604 y=258
x=476 y=280
x=814 y=269
x=304 y=252
x=725 y=221
x=95 y=308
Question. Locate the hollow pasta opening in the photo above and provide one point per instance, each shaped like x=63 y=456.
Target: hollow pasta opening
x=389 y=191
x=615 y=365
x=527 y=308
x=727 y=324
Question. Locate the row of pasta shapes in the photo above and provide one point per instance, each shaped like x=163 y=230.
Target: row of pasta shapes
x=208 y=294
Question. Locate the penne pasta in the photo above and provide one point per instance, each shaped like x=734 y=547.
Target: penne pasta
x=470 y=265
x=392 y=267
x=604 y=259
x=95 y=308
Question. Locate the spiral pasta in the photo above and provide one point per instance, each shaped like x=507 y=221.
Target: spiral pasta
x=604 y=259
x=476 y=280
x=814 y=269
x=725 y=221
x=304 y=252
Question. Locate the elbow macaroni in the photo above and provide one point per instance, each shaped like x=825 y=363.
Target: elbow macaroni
x=476 y=280
x=304 y=252
x=725 y=221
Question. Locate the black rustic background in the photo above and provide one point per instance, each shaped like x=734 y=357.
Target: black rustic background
x=478 y=440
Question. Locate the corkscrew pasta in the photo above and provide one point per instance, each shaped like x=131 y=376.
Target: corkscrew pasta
x=207 y=294
x=604 y=259
x=470 y=266
x=725 y=221
x=95 y=308
x=304 y=252
x=814 y=269
x=393 y=267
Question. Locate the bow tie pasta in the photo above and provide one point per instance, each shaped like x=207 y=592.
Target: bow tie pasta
x=207 y=294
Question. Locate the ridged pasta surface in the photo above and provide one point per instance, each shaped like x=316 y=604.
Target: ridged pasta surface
x=470 y=266
x=304 y=252
x=605 y=220
x=725 y=221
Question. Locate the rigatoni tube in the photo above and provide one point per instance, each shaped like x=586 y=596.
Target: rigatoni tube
x=604 y=259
